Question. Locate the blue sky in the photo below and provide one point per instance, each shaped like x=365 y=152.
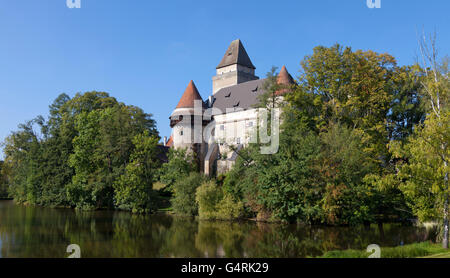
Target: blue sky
x=145 y=52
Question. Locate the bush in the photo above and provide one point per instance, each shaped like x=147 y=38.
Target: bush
x=184 y=194
x=229 y=209
x=208 y=195
x=214 y=204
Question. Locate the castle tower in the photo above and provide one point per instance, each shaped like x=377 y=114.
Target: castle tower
x=187 y=122
x=285 y=80
x=235 y=67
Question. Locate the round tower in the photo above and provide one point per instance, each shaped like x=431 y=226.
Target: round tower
x=187 y=123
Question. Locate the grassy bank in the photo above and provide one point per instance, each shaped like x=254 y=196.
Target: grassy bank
x=415 y=250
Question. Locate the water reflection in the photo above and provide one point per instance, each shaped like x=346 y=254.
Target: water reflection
x=44 y=232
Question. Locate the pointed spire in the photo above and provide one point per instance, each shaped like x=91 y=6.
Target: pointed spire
x=189 y=96
x=284 y=77
x=236 y=54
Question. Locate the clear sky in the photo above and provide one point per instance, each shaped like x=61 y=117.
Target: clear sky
x=145 y=52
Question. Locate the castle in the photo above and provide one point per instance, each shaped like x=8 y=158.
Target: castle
x=216 y=129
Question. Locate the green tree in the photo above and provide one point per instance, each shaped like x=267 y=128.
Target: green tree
x=3 y=181
x=359 y=89
x=74 y=157
x=133 y=190
x=424 y=173
x=183 y=201
x=342 y=167
x=279 y=185
x=180 y=164
x=101 y=152
x=23 y=157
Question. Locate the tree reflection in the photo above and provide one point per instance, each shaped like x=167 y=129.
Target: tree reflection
x=43 y=232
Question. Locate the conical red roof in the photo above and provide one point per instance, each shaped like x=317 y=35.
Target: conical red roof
x=189 y=96
x=169 y=142
x=284 y=77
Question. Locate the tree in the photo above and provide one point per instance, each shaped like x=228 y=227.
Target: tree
x=336 y=124
x=180 y=164
x=342 y=166
x=3 y=181
x=368 y=93
x=133 y=190
x=279 y=186
x=424 y=172
x=74 y=157
x=359 y=89
x=184 y=189
x=23 y=158
x=102 y=150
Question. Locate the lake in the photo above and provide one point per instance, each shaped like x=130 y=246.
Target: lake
x=34 y=232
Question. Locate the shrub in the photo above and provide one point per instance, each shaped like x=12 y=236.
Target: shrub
x=208 y=195
x=184 y=194
x=214 y=204
x=228 y=208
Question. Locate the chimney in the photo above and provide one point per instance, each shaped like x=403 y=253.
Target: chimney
x=165 y=141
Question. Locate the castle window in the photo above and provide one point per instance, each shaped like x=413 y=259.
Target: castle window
x=222 y=127
x=238 y=140
x=181 y=132
x=249 y=124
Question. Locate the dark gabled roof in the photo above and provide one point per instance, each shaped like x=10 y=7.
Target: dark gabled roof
x=189 y=96
x=240 y=96
x=246 y=95
x=236 y=54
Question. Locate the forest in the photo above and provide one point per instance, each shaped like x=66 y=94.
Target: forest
x=363 y=140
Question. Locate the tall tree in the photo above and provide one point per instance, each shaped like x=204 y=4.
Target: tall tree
x=102 y=150
x=425 y=172
x=74 y=157
x=133 y=190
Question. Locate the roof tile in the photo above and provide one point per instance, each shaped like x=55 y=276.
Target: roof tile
x=189 y=96
x=236 y=54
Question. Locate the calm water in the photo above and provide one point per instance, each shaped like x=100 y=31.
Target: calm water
x=45 y=232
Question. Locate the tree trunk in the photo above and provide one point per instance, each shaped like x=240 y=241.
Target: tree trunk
x=445 y=237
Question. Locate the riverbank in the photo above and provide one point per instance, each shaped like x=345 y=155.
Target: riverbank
x=414 y=250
